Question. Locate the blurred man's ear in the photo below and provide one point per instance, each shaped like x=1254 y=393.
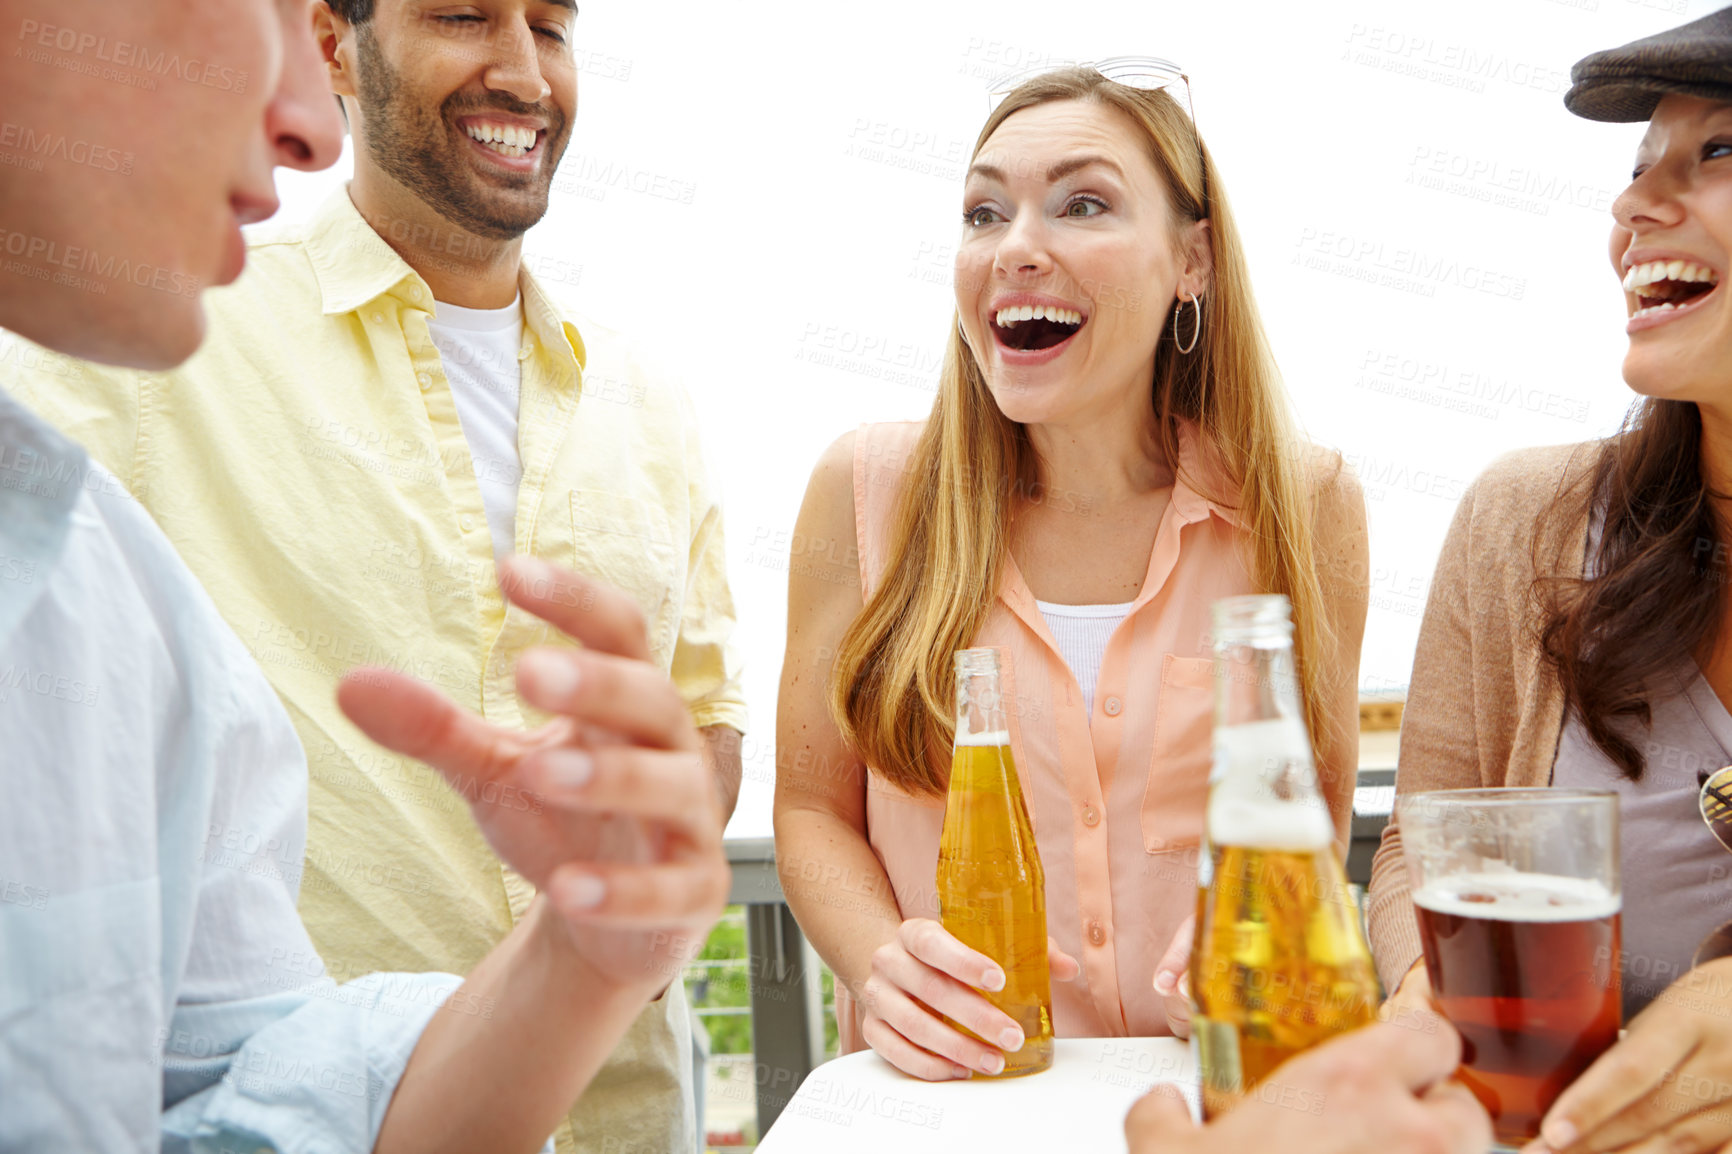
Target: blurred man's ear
x=336 y=37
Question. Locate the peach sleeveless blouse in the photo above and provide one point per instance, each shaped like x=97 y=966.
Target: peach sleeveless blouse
x=1116 y=797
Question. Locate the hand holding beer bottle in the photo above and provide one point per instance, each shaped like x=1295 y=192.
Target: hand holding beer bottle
x=991 y=887
x=1381 y=1090
x=973 y=995
x=1173 y=979
x=924 y=984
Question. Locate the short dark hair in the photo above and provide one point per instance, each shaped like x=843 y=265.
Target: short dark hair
x=353 y=11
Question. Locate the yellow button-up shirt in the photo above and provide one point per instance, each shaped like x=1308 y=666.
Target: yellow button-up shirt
x=309 y=465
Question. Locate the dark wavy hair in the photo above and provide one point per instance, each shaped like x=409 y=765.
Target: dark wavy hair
x=1659 y=574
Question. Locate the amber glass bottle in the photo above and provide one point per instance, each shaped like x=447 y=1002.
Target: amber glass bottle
x=1280 y=961
x=991 y=889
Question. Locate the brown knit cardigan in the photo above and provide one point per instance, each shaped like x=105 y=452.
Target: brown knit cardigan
x=1483 y=706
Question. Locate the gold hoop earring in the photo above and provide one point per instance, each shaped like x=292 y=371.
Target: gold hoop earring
x=1196 y=303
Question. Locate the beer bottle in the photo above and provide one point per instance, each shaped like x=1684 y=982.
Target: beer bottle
x=991 y=888
x=1280 y=961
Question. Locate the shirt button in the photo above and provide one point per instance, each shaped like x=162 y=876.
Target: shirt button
x=415 y=292
x=426 y=380
x=1097 y=934
x=378 y=318
x=468 y=522
x=1111 y=706
x=1091 y=816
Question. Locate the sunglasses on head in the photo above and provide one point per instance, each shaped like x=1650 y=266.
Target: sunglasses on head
x=1715 y=802
x=1147 y=73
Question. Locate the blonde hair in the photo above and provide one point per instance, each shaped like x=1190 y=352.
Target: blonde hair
x=891 y=688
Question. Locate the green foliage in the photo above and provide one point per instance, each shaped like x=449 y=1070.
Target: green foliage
x=831 y=1044
x=731 y=986
x=724 y=986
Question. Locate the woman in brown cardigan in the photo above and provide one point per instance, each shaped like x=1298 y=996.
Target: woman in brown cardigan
x=1577 y=632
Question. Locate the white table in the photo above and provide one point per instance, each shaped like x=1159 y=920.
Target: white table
x=860 y=1104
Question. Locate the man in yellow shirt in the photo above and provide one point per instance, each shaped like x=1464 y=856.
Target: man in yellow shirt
x=392 y=365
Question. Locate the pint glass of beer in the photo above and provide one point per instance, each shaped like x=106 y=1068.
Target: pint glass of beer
x=1516 y=891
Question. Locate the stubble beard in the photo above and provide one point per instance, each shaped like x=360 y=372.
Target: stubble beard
x=412 y=144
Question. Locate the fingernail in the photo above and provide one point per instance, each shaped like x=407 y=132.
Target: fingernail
x=1011 y=1039
x=582 y=893
x=1558 y=1133
x=962 y=1071
x=1164 y=982
x=550 y=674
x=1185 y=984
x=992 y=980
x=568 y=768
x=994 y=1064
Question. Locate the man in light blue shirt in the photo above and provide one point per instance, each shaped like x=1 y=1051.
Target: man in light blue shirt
x=156 y=987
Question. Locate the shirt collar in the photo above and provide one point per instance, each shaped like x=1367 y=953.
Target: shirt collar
x=354 y=265
x=1203 y=485
x=541 y=317
x=41 y=475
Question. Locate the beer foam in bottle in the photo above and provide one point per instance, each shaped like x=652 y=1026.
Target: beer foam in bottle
x=996 y=737
x=1509 y=896
x=1249 y=756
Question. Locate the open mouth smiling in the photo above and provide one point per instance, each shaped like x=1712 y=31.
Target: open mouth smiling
x=511 y=141
x=1033 y=328
x=1662 y=286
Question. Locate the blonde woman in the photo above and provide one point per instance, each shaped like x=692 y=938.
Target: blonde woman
x=1109 y=453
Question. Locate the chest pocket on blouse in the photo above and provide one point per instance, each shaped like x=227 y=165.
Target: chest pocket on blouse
x=1178 y=787
x=629 y=543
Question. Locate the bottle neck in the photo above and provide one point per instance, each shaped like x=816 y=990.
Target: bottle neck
x=1263 y=784
x=979 y=704
x=1255 y=679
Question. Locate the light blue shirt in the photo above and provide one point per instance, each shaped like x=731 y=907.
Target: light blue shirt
x=156 y=986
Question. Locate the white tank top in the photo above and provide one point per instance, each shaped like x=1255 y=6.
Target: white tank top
x=479 y=351
x=1082 y=633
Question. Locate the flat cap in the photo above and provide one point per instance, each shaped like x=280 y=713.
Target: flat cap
x=1694 y=59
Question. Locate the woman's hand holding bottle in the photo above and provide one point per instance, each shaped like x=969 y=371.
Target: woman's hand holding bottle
x=1172 y=978
x=924 y=975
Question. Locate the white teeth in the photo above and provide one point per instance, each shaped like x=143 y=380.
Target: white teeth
x=505 y=139
x=1017 y=314
x=1676 y=270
